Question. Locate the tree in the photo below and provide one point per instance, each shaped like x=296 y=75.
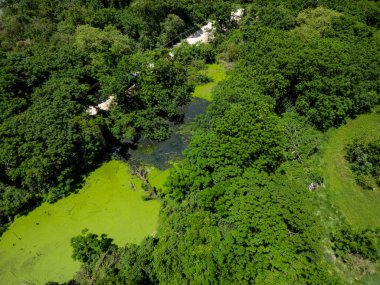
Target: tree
x=171 y=30
x=43 y=147
x=88 y=247
x=364 y=161
x=105 y=47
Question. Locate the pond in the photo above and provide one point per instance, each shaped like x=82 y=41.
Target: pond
x=162 y=154
x=36 y=247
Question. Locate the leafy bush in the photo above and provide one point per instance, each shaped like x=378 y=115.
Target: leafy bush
x=186 y=53
x=199 y=79
x=88 y=247
x=364 y=159
x=364 y=243
x=277 y=17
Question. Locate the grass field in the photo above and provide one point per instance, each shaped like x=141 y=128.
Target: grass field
x=217 y=73
x=36 y=248
x=360 y=207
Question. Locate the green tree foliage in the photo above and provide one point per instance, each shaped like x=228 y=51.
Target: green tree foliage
x=186 y=53
x=276 y=16
x=87 y=248
x=268 y=224
x=104 y=47
x=149 y=89
x=315 y=22
x=57 y=58
x=48 y=144
x=364 y=159
x=238 y=208
x=171 y=29
x=13 y=201
x=301 y=139
x=326 y=78
x=202 y=10
x=364 y=243
x=241 y=136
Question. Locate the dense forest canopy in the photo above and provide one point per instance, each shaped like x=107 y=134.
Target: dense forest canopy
x=60 y=57
x=243 y=206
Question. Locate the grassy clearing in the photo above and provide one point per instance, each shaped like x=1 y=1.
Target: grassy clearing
x=36 y=248
x=360 y=207
x=371 y=279
x=217 y=73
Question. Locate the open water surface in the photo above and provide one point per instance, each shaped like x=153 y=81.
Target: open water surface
x=160 y=154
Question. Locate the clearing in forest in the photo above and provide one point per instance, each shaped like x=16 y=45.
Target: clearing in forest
x=360 y=207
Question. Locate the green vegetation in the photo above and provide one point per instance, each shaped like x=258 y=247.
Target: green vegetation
x=59 y=58
x=362 y=243
x=244 y=205
x=365 y=162
x=360 y=207
x=36 y=247
x=88 y=248
x=217 y=73
x=158 y=177
x=264 y=194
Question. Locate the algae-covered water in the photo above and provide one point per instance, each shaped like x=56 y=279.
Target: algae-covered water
x=36 y=248
x=217 y=73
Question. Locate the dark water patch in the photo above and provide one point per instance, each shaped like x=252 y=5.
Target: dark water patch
x=160 y=154
x=196 y=107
